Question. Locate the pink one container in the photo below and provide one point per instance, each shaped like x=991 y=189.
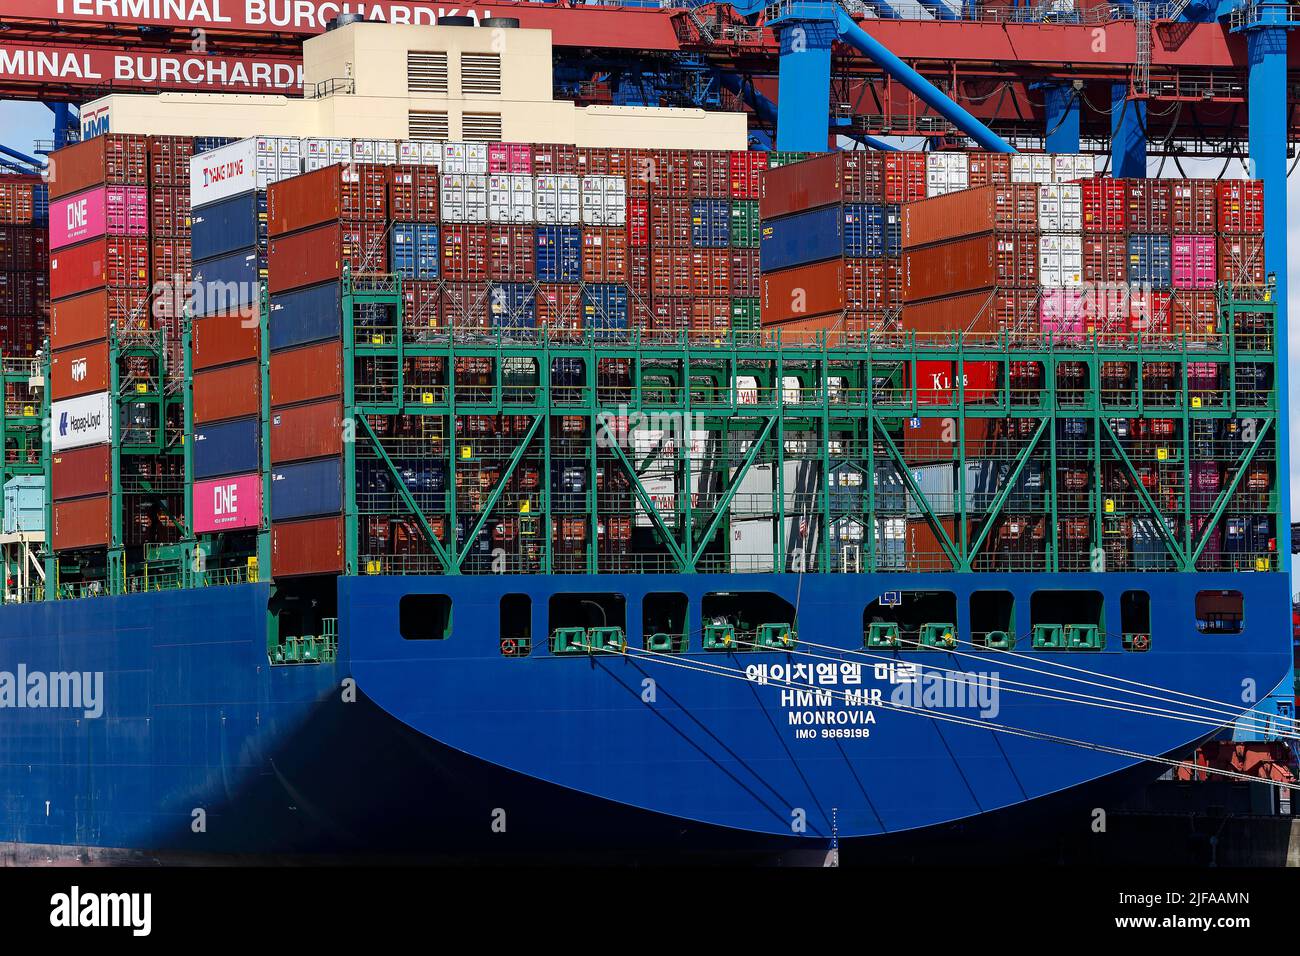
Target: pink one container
x=223 y=504
x=1194 y=265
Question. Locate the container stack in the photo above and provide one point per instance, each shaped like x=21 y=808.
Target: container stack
x=99 y=285
x=24 y=265
x=320 y=225
x=228 y=244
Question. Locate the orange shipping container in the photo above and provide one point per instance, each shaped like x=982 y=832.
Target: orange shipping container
x=81 y=523
x=308 y=373
x=803 y=292
x=306 y=431
x=225 y=338
x=967 y=212
x=234 y=391
x=81 y=472
x=314 y=546
x=984 y=312
x=997 y=259
x=80 y=370
x=81 y=319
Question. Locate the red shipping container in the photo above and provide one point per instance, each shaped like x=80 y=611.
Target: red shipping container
x=356 y=191
x=1001 y=260
x=710 y=174
x=80 y=370
x=1105 y=256
x=744 y=271
x=24 y=248
x=936 y=382
x=306 y=431
x=638 y=222
x=747 y=168
x=512 y=253
x=81 y=472
x=710 y=319
x=1148 y=205
x=803 y=291
x=81 y=523
x=105 y=263
x=17 y=200
x=1149 y=315
x=169 y=213
x=1194 y=314
x=904 y=177
x=710 y=272
x=559 y=309
x=1241 y=260
x=1194 y=206
x=935 y=439
x=225 y=338
x=796 y=187
x=980 y=313
x=423 y=305
x=413 y=192
x=1104 y=205
x=1240 y=206
x=638 y=274
x=317 y=255
x=670 y=223
x=604 y=255
x=925 y=552
x=670 y=176
x=465 y=306
x=232 y=391
x=464 y=252
x=670 y=272
x=114 y=159
x=307 y=373
x=969 y=212
x=169 y=160
x=171 y=262
x=314 y=546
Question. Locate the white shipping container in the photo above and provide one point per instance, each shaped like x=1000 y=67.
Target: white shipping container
x=568 y=209
x=755 y=496
x=223 y=172
x=82 y=421
x=476 y=159
x=453 y=158
x=753 y=543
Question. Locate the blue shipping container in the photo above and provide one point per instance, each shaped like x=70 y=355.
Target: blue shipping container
x=228 y=448
x=24 y=503
x=306 y=489
x=221 y=228
x=872 y=231
x=306 y=315
x=513 y=305
x=711 y=223
x=803 y=238
x=559 y=254
x=225 y=283
x=1150 y=260
x=416 y=253
x=604 y=307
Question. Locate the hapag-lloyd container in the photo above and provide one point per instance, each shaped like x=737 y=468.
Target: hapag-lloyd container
x=104 y=210
x=224 y=338
x=79 y=370
x=80 y=472
x=300 y=432
x=997 y=208
x=802 y=292
x=81 y=523
x=1194 y=262
x=990 y=260
x=314 y=546
x=232 y=391
x=227 y=504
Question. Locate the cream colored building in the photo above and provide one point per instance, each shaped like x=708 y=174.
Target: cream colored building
x=390 y=81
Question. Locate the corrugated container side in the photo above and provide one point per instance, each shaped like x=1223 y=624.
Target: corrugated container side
x=81 y=472
x=79 y=370
x=81 y=523
x=314 y=546
x=981 y=312
x=79 y=319
x=799 y=186
x=115 y=159
x=307 y=489
x=356 y=191
x=305 y=258
x=306 y=374
x=225 y=338
x=978 y=262
x=803 y=292
x=306 y=315
x=226 y=283
x=227 y=448
x=226 y=504
x=307 y=431
x=1009 y=208
x=233 y=391
x=221 y=228
x=801 y=238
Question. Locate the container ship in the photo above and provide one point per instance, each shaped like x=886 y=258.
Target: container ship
x=484 y=495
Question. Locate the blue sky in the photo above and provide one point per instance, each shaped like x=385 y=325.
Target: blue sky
x=23 y=123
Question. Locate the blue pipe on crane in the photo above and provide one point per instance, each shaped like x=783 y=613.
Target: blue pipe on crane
x=926 y=91
x=939 y=9
x=32 y=161
x=766 y=110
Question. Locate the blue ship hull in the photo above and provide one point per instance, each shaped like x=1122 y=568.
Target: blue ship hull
x=449 y=747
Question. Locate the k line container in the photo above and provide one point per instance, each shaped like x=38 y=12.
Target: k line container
x=227 y=504
x=81 y=472
x=307 y=373
x=79 y=370
x=307 y=489
x=224 y=227
x=307 y=431
x=81 y=523
x=224 y=338
x=232 y=391
x=314 y=546
x=227 y=448
x=302 y=316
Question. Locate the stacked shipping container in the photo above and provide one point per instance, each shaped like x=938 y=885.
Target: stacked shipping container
x=24 y=265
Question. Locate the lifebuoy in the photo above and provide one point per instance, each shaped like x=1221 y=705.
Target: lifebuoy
x=509 y=647
x=1141 y=642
